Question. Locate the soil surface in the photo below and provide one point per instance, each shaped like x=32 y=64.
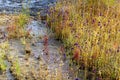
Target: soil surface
x=39 y=64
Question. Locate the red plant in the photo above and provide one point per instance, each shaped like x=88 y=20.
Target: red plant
x=62 y=52
x=95 y=55
x=115 y=45
x=46 y=45
x=62 y=49
x=11 y=28
x=76 y=54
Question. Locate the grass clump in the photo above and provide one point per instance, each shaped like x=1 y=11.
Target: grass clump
x=90 y=31
x=16 y=70
x=3 y=50
x=2 y=61
x=16 y=28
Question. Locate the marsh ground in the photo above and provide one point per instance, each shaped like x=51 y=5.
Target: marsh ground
x=35 y=64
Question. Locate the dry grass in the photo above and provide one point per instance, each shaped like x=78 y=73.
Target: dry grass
x=6 y=20
x=90 y=31
x=16 y=27
x=15 y=24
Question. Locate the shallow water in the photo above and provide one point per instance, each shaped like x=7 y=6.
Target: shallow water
x=16 y=6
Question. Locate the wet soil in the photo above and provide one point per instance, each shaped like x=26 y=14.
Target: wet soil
x=35 y=64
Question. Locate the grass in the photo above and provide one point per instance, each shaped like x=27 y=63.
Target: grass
x=90 y=31
x=16 y=28
x=2 y=61
x=3 y=50
x=16 y=70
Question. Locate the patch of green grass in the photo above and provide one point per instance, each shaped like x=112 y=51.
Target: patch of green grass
x=3 y=50
x=2 y=60
x=90 y=31
x=16 y=69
